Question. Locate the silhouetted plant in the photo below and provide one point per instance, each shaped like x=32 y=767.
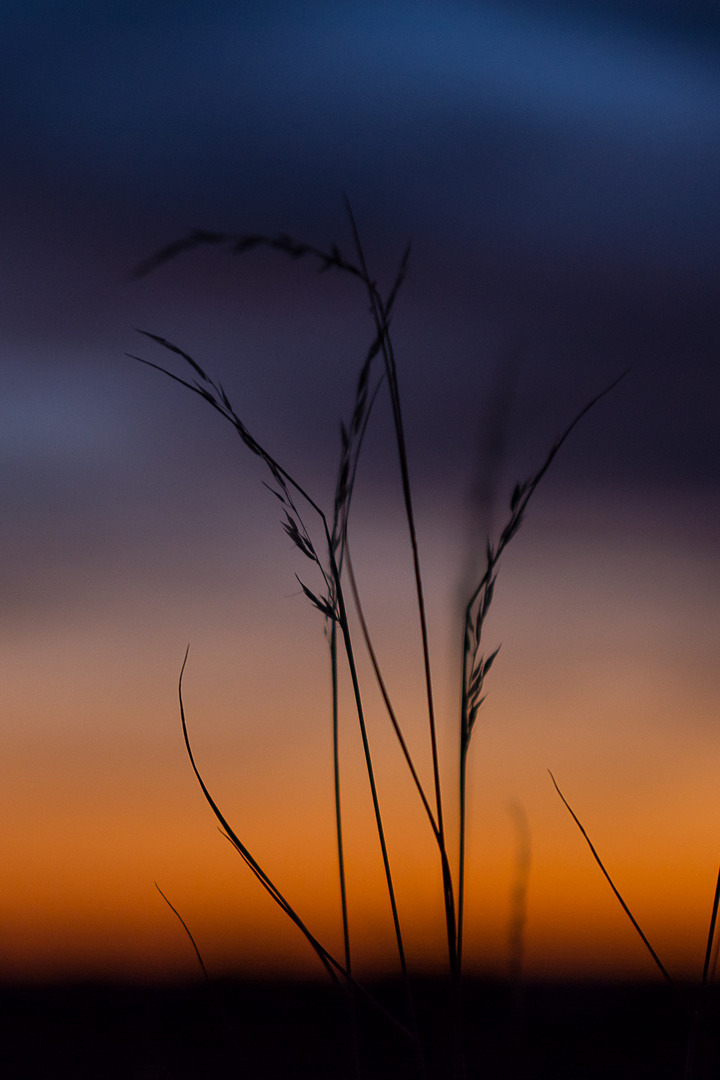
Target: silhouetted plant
x=323 y=540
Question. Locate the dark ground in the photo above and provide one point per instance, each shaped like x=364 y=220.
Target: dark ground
x=299 y=1031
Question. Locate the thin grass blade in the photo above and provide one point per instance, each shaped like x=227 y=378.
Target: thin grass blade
x=614 y=888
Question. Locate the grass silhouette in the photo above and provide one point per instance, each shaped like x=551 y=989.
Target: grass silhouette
x=323 y=539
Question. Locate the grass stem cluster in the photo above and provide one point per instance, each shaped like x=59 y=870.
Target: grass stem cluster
x=331 y=587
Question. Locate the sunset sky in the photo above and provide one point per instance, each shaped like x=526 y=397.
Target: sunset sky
x=556 y=166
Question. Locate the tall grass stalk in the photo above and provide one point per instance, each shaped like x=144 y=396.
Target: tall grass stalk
x=332 y=564
x=695 y=1065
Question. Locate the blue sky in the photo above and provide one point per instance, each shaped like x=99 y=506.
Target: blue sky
x=556 y=167
x=541 y=122
x=549 y=150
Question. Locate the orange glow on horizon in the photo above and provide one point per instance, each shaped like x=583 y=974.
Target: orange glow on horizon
x=101 y=800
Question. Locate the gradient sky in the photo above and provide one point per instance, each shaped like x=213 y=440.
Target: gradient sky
x=557 y=168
